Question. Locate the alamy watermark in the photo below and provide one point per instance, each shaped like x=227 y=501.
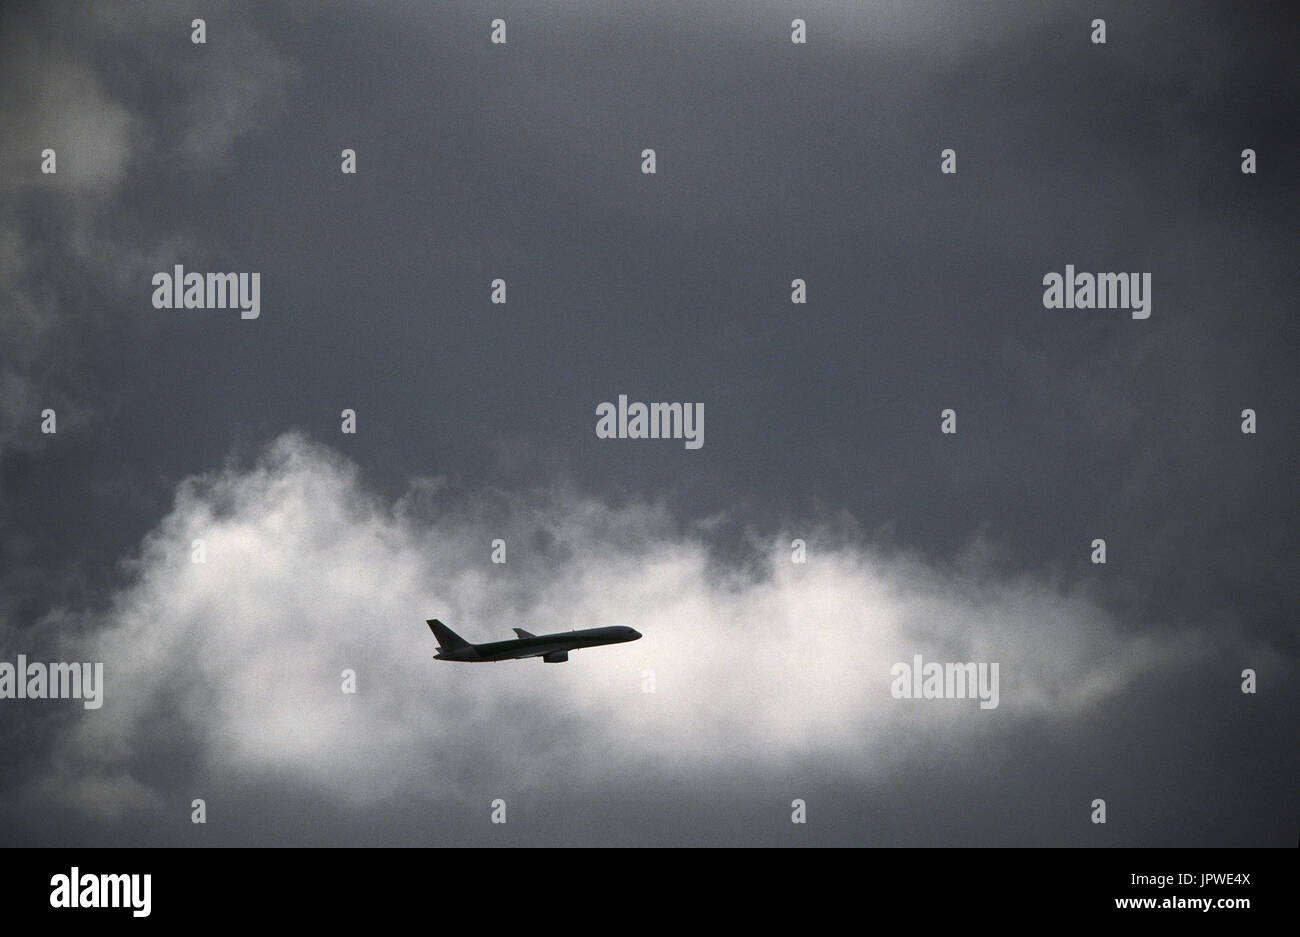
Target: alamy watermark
x=651 y=421
x=77 y=890
x=181 y=290
x=36 y=680
x=1098 y=291
x=933 y=680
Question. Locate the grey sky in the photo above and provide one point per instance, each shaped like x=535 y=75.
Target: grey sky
x=477 y=421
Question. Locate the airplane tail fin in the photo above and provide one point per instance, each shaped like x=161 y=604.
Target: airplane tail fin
x=447 y=639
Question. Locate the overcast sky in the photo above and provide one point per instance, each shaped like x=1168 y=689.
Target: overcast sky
x=475 y=421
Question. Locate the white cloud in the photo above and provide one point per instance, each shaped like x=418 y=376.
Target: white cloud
x=309 y=573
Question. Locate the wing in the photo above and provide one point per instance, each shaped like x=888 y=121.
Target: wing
x=524 y=634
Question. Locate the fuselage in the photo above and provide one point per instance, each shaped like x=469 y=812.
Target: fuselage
x=539 y=645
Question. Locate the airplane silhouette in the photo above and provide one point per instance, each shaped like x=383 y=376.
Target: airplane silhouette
x=551 y=648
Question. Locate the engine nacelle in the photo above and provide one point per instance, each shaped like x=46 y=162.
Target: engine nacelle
x=556 y=657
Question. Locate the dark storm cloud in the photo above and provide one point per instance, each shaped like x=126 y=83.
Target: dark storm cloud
x=775 y=161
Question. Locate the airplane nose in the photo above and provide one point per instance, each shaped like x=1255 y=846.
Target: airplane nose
x=635 y=634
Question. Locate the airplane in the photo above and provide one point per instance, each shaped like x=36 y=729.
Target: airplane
x=551 y=648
